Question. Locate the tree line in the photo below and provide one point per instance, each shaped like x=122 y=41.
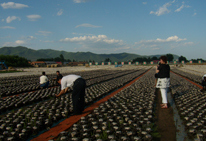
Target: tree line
x=56 y=59
x=170 y=57
x=14 y=61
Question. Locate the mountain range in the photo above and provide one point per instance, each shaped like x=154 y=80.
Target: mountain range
x=33 y=55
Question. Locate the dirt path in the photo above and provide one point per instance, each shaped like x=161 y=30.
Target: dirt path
x=165 y=121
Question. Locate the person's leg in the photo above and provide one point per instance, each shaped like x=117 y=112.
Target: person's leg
x=78 y=96
x=75 y=101
x=164 y=95
x=47 y=84
x=82 y=95
x=43 y=85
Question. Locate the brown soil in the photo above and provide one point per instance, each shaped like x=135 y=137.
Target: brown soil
x=165 y=121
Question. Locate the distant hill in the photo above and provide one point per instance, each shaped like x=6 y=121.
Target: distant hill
x=33 y=55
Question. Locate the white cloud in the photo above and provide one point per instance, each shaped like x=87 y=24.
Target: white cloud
x=2 y=20
x=181 y=7
x=144 y=3
x=81 y=1
x=100 y=43
x=44 y=33
x=170 y=42
x=27 y=38
x=31 y=37
x=194 y=14
x=188 y=43
x=47 y=41
x=158 y=40
x=20 y=42
x=162 y=10
x=81 y=34
x=33 y=17
x=155 y=48
x=10 y=19
x=94 y=39
x=7 y=27
x=87 y=25
x=60 y=12
x=16 y=43
x=13 y=5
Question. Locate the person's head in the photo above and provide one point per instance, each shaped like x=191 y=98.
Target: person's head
x=43 y=73
x=58 y=72
x=163 y=59
x=204 y=78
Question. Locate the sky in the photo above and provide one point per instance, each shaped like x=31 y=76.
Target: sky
x=144 y=27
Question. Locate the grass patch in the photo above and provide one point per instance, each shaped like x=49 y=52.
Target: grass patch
x=155 y=134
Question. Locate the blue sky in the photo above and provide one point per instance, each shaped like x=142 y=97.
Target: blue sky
x=145 y=27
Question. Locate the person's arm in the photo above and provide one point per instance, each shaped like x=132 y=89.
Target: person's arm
x=62 y=92
x=157 y=71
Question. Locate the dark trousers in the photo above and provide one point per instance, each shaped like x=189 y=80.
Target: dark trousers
x=45 y=85
x=204 y=84
x=78 y=94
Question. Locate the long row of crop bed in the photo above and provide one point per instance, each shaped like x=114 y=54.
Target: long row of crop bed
x=191 y=105
x=129 y=115
x=44 y=94
x=20 y=124
x=19 y=85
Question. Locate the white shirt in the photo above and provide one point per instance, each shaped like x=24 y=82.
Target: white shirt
x=68 y=81
x=43 y=79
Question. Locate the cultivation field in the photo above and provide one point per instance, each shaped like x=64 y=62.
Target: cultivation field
x=37 y=71
x=121 y=104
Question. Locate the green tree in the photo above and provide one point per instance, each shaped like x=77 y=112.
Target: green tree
x=107 y=60
x=170 y=57
x=182 y=58
x=14 y=61
x=154 y=58
x=57 y=59
x=62 y=58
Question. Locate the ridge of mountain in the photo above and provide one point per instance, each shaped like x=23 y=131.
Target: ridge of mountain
x=33 y=55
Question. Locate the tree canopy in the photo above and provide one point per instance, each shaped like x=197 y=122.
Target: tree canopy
x=14 y=61
x=170 y=57
x=182 y=58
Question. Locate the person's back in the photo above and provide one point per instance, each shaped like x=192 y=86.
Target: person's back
x=68 y=80
x=44 y=81
x=164 y=71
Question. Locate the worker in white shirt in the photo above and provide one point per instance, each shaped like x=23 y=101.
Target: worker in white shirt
x=77 y=84
x=44 y=81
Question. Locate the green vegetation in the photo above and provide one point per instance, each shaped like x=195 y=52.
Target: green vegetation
x=155 y=134
x=56 y=59
x=14 y=61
